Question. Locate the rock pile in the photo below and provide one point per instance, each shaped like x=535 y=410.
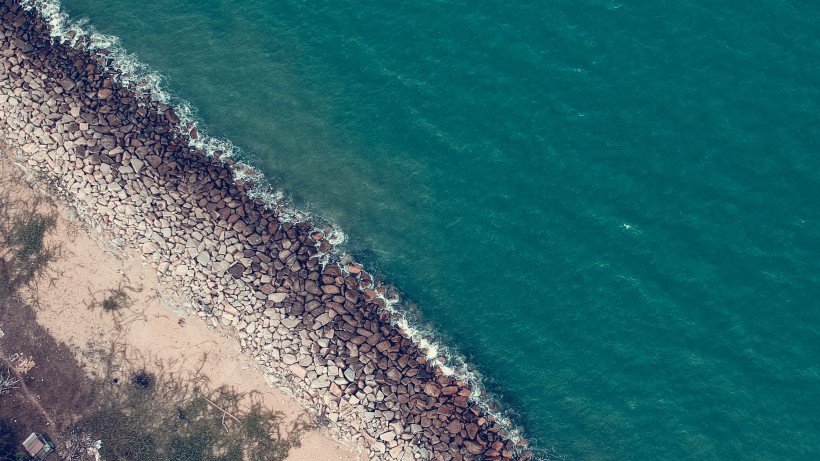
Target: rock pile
x=125 y=163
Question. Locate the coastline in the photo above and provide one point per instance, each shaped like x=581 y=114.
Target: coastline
x=322 y=330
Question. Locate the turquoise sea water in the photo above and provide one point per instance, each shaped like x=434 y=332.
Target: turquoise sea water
x=609 y=207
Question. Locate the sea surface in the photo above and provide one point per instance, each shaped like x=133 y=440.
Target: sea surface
x=610 y=208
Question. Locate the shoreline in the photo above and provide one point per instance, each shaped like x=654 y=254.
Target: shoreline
x=126 y=163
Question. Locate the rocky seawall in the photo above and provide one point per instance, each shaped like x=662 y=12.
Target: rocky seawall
x=126 y=164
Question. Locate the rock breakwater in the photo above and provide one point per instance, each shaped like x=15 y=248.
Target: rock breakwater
x=126 y=163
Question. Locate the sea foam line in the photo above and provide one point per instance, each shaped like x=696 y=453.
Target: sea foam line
x=140 y=77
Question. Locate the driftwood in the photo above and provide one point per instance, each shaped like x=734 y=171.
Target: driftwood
x=224 y=413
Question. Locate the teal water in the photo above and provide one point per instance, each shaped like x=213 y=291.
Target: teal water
x=609 y=207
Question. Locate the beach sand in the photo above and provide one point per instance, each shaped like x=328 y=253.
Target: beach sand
x=69 y=298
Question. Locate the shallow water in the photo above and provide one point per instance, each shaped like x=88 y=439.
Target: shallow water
x=610 y=209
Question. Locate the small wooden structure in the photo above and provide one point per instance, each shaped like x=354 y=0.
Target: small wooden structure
x=38 y=446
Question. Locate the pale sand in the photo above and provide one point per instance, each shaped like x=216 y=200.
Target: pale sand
x=84 y=274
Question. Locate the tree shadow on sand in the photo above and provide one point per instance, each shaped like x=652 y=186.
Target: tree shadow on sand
x=147 y=411
x=24 y=225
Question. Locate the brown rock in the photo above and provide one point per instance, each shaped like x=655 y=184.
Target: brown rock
x=171 y=116
x=109 y=142
x=237 y=270
x=105 y=93
x=333 y=270
x=393 y=374
x=472 y=430
x=449 y=390
x=432 y=389
x=473 y=448
x=67 y=84
x=352 y=295
x=331 y=289
x=312 y=288
x=455 y=427
x=154 y=160
x=354 y=268
x=23 y=45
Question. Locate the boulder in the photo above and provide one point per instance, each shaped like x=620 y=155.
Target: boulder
x=67 y=84
x=237 y=270
x=432 y=389
x=454 y=426
x=277 y=297
x=473 y=448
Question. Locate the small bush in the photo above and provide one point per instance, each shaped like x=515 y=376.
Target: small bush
x=115 y=301
x=143 y=380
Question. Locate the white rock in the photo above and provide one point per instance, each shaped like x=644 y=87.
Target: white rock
x=221 y=266
x=277 y=297
x=298 y=370
x=203 y=258
x=320 y=383
x=149 y=247
x=290 y=322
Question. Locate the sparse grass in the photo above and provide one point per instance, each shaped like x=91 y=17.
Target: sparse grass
x=141 y=427
x=157 y=415
x=27 y=234
x=24 y=254
x=115 y=301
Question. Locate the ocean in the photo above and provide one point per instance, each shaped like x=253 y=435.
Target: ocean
x=608 y=209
